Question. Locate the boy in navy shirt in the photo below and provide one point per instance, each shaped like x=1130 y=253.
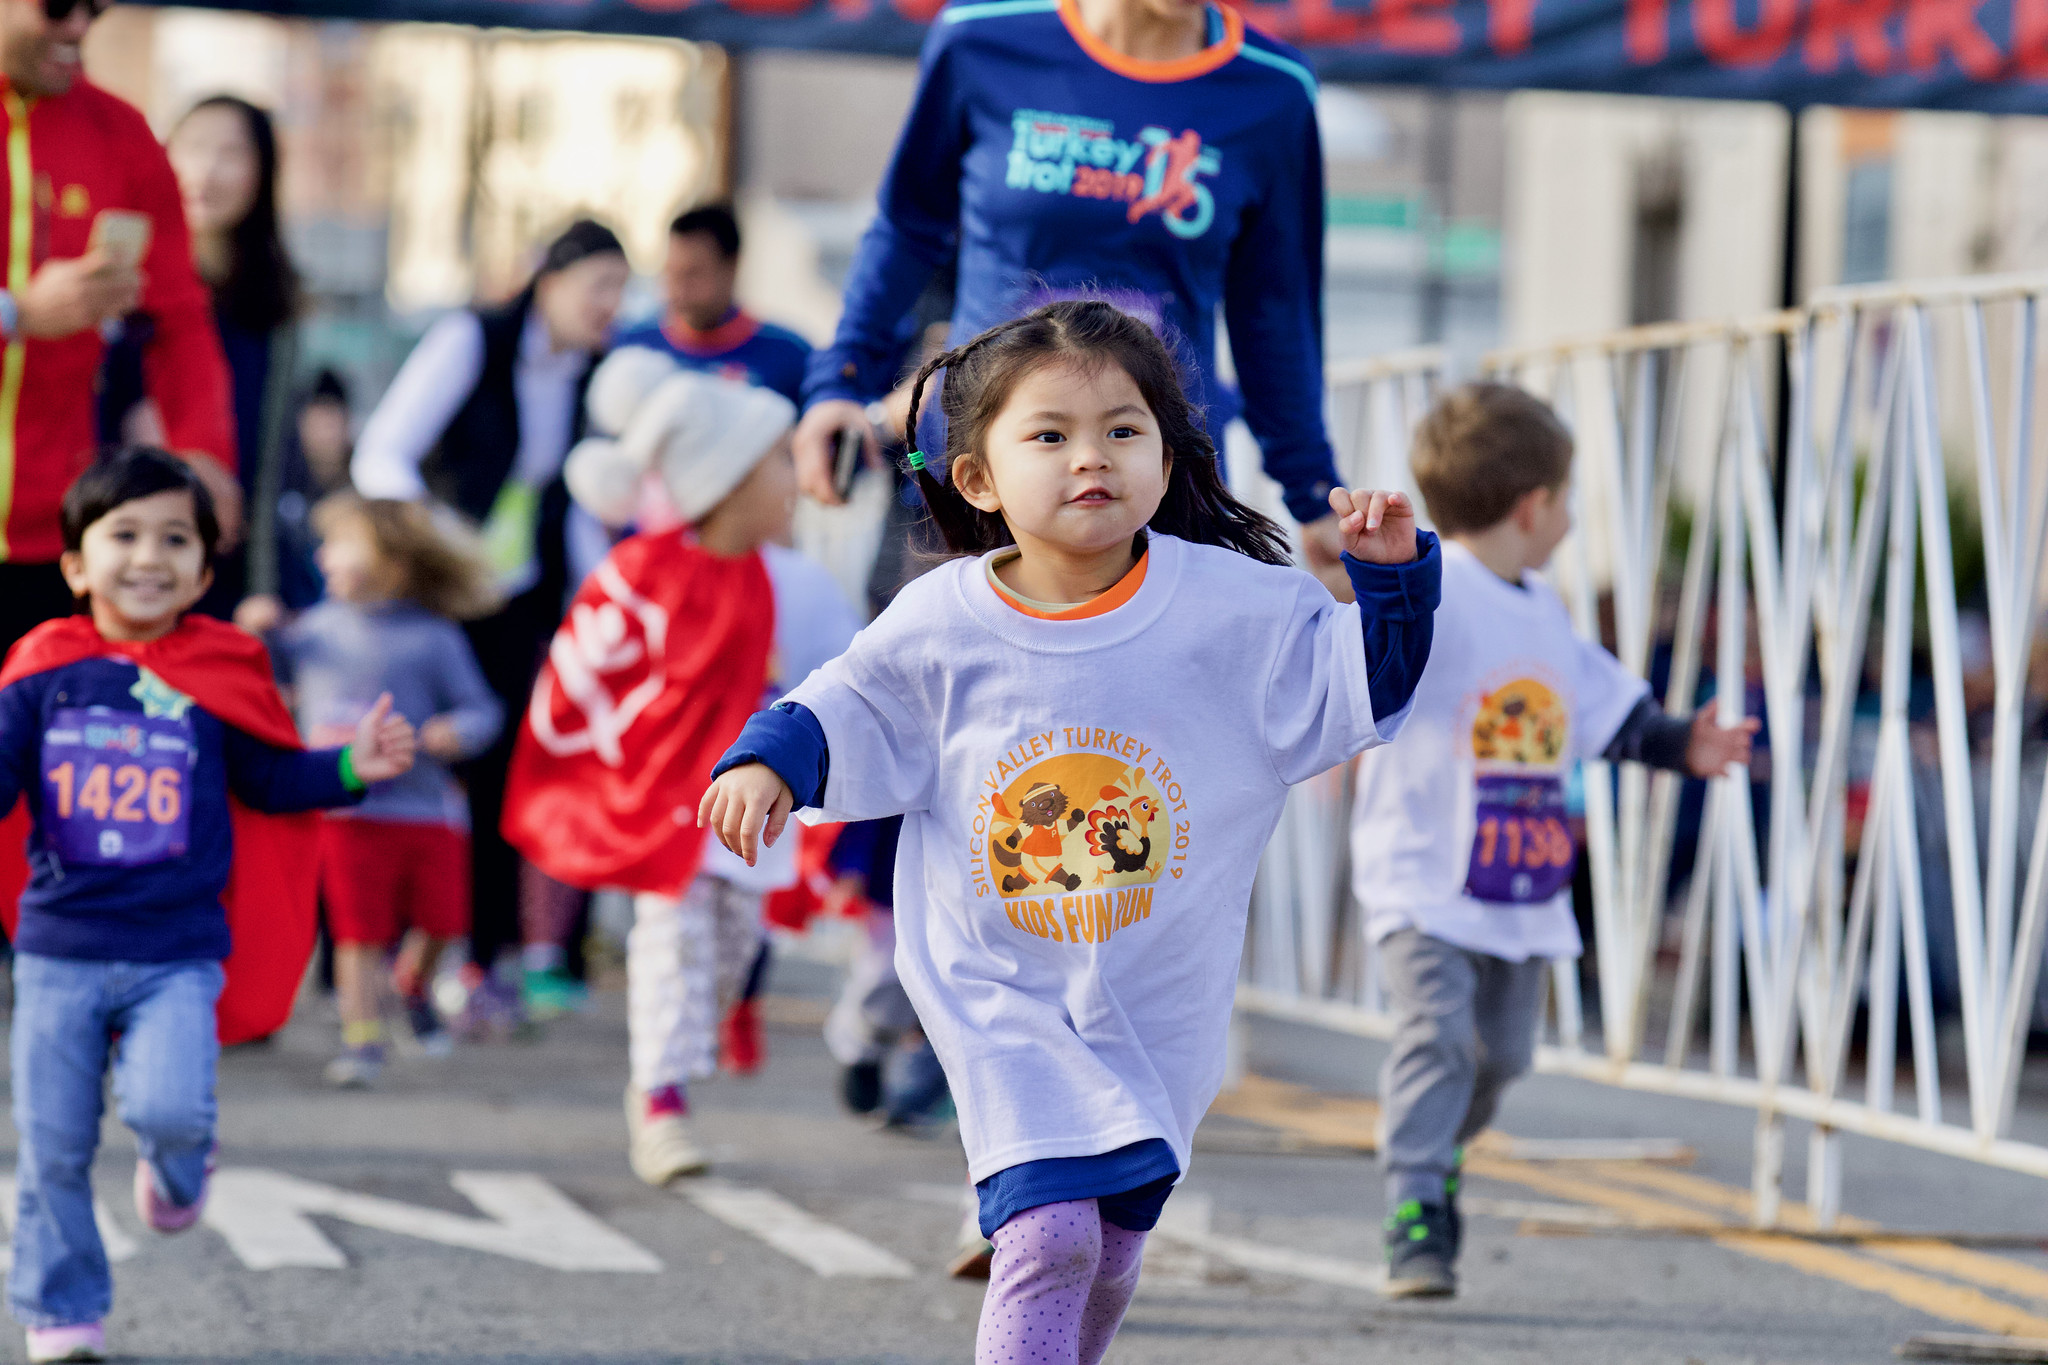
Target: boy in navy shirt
x=702 y=327
x=128 y=732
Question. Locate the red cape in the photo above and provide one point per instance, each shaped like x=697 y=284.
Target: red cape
x=270 y=896
x=663 y=656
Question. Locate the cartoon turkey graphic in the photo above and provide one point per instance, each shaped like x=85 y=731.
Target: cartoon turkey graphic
x=1118 y=833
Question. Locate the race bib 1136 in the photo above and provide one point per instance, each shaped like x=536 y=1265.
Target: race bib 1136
x=116 y=787
x=1522 y=851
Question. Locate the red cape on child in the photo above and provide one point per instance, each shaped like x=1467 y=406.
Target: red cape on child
x=271 y=888
x=663 y=656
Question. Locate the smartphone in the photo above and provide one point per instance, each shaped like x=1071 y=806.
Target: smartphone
x=123 y=235
x=846 y=461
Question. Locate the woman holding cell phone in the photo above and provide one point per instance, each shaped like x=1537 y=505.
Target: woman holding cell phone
x=73 y=264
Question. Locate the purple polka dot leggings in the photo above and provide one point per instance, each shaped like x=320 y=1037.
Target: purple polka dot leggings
x=1058 y=1287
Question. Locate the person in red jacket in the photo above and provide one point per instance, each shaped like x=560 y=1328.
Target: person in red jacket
x=84 y=152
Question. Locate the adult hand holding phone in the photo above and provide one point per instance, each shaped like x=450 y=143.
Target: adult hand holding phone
x=71 y=294
x=816 y=445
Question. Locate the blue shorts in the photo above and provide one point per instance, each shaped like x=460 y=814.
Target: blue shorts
x=1130 y=1185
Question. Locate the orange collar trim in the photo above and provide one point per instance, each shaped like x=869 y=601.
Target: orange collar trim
x=735 y=331
x=1125 y=589
x=1179 y=69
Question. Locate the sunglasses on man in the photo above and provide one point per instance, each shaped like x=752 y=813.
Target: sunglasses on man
x=57 y=11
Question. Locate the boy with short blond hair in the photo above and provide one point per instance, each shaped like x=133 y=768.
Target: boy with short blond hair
x=1462 y=853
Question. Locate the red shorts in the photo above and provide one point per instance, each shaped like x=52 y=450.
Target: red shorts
x=380 y=877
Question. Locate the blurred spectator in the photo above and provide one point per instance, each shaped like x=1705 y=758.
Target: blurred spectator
x=75 y=156
x=482 y=415
x=224 y=153
x=702 y=327
x=326 y=438
x=315 y=458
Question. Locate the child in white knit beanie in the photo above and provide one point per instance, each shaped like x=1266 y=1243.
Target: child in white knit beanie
x=673 y=446
x=666 y=433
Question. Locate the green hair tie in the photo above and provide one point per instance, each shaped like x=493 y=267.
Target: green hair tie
x=917 y=460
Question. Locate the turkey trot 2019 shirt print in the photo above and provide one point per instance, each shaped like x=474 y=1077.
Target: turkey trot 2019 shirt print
x=1073 y=829
x=1070 y=154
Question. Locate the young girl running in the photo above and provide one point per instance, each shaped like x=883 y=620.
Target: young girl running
x=1090 y=727
x=394 y=870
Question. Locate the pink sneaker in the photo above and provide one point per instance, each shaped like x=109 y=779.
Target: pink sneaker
x=79 y=1341
x=157 y=1211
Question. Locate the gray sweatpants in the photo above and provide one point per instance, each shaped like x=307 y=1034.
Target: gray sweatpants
x=1466 y=1027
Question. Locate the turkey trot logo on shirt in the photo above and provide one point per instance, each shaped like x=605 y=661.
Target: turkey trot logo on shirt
x=1073 y=827
x=1083 y=157
x=1520 y=723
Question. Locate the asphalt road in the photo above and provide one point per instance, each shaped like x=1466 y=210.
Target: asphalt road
x=478 y=1209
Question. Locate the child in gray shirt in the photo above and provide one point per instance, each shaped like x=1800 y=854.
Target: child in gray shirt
x=399 y=863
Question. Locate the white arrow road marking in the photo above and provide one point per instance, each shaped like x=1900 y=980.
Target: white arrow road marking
x=263 y=1216
x=120 y=1246
x=831 y=1251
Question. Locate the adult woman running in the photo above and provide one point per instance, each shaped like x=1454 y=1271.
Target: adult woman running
x=1156 y=152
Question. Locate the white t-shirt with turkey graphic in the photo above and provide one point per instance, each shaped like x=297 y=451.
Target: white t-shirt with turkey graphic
x=1086 y=801
x=1459 y=828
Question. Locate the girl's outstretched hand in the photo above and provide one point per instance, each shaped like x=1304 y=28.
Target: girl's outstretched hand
x=747 y=808
x=383 y=745
x=1377 y=527
x=1713 y=748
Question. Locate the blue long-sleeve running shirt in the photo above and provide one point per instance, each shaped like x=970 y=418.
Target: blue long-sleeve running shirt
x=1049 y=166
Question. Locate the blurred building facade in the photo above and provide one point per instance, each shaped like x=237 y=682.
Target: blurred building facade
x=424 y=165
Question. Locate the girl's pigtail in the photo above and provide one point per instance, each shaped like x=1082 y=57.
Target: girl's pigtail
x=948 y=509
x=966 y=528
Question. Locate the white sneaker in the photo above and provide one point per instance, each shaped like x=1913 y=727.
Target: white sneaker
x=660 y=1149
x=83 y=1341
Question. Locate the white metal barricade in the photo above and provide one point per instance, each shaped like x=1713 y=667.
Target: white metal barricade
x=1818 y=567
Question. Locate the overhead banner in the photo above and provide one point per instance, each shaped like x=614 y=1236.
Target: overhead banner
x=1985 y=55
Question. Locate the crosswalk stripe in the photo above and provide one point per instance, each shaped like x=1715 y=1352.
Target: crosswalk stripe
x=1346 y=1120
x=829 y=1250
x=263 y=1217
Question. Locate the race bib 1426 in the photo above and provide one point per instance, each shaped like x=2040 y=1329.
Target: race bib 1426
x=116 y=786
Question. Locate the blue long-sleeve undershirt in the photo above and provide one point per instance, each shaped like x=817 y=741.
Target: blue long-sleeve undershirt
x=1397 y=604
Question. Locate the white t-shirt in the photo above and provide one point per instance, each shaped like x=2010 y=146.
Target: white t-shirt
x=1459 y=828
x=1086 y=801
x=814 y=623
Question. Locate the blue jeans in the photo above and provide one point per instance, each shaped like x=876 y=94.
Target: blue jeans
x=66 y=1015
